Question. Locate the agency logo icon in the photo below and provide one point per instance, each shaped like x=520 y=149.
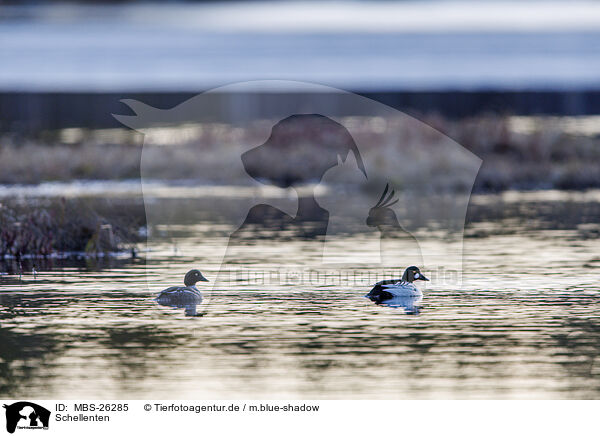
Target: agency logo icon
x=25 y=415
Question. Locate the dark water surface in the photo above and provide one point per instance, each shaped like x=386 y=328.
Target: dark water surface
x=523 y=324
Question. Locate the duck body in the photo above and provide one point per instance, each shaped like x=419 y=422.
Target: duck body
x=398 y=288
x=180 y=295
x=183 y=295
x=394 y=288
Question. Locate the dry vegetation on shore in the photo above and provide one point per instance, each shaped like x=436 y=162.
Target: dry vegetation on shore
x=67 y=226
x=517 y=152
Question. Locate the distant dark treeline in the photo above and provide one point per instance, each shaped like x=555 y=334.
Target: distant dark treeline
x=33 y=112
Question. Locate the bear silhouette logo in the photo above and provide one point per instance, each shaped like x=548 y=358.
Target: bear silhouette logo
x=24 y=414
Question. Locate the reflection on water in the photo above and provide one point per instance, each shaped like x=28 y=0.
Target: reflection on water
x=410 y=305
x=190 y=309
x=524 y=324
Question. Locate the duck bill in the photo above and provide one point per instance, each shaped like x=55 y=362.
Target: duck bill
x=203 y=279
x=422 y=277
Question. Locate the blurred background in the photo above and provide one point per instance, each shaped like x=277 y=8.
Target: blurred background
x=517 y=83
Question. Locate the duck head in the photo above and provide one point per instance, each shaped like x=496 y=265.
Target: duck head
x=413 y=273
x=192 y=277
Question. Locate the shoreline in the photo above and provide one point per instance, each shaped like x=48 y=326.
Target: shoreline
x=517 y=153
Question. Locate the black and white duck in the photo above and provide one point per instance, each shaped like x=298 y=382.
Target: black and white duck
x=182 y=295
x=394 y=288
